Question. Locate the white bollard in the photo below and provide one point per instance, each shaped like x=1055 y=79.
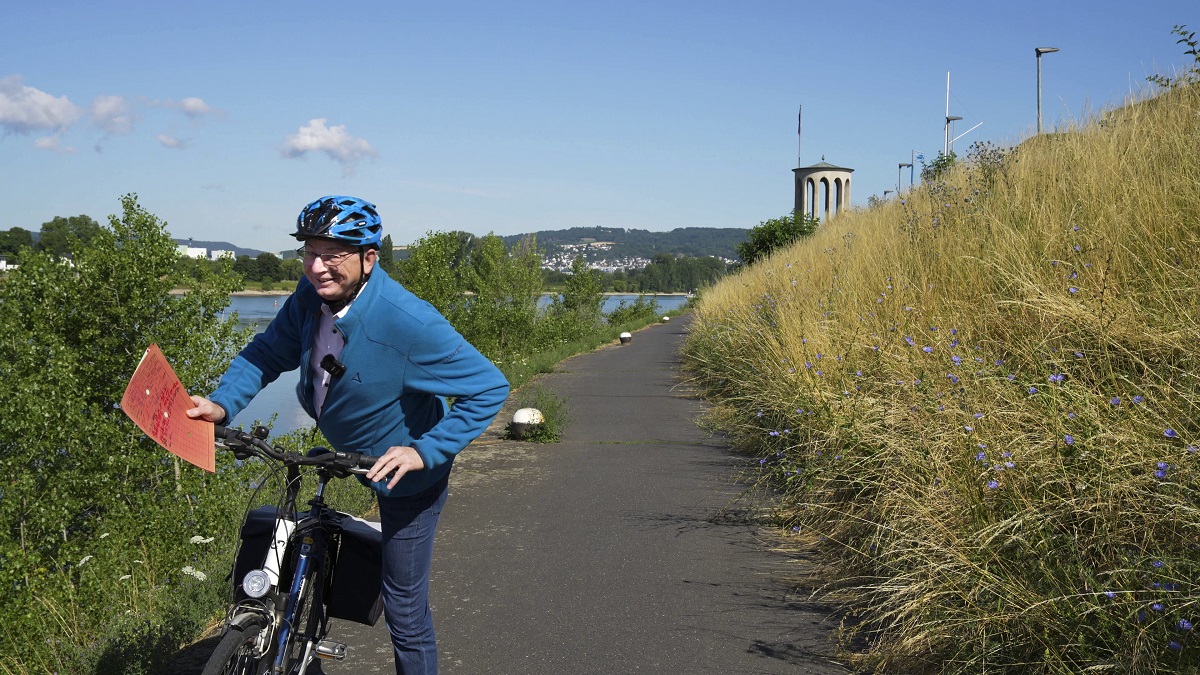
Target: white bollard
x=522 y=420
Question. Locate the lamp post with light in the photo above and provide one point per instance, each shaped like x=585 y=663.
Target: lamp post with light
x=900 y=176
x=1038 y=51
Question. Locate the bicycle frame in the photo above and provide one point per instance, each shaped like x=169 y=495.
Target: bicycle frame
x=291 y=579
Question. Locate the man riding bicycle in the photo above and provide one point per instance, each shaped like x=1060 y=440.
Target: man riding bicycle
x=378 y=364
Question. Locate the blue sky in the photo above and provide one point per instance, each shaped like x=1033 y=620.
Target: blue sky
x=226 y=118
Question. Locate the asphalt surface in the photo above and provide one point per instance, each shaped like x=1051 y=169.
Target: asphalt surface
x=622 y=549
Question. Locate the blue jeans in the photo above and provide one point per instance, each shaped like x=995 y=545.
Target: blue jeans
x=409 y=525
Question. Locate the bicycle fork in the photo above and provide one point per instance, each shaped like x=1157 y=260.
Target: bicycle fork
x=312 y=551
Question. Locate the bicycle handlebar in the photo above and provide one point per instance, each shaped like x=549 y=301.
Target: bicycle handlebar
x=255 y=444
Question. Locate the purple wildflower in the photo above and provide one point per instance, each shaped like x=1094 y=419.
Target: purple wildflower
x=1170 y=433
x=1069 y=439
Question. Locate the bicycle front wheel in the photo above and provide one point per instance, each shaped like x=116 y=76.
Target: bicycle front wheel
x=234 y=654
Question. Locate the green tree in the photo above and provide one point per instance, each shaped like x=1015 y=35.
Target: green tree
x=505 y=285
x=938 y=167
x=13 y=240
x=270 y=267
x=433 y=271
x=85 y=492
x=387 y=258
x=583 y=292
x=247 y=267
x=61 y=236
x=775 y=233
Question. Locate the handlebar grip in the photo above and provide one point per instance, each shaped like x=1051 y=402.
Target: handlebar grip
x=366 y=461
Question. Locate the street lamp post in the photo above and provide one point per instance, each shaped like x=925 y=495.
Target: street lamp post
x=900 y=176
x=1038 y=51
x=949 y=119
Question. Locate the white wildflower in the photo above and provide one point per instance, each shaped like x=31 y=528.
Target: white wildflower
x=127 y=576
x=104 y=535
x=193 y=572
x=201 y=540
x=85 y=559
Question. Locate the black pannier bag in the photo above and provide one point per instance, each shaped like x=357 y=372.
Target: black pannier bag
x=356 y=588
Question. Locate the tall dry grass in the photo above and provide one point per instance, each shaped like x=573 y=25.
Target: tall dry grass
x=982 y=401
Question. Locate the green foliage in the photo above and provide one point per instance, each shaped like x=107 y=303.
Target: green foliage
x=938 y=167
x=575 y=312
x=499 y=315
x=387 y=258
x=13 y=240
x=95 y=518
x=555 y=414
x=1190 y=76
x=61 y=236
x=628 y=312
x=434 y=270
x=774 y=234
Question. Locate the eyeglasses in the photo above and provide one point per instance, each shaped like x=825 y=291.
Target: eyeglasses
x=330 y=259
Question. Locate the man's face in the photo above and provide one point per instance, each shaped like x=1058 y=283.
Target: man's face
x=334 y=269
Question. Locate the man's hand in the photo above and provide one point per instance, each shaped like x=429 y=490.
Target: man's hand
x=398 y=458
x=205 y=410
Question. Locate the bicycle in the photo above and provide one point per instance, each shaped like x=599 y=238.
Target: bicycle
x=294 y=571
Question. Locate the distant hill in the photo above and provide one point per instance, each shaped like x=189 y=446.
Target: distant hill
x=695 y=242
x=220 y=246
x=690 y=241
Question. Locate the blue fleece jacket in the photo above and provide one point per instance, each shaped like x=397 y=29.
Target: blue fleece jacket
x=402 y=359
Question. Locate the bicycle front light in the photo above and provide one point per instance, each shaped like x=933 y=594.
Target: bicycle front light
x=256 y=583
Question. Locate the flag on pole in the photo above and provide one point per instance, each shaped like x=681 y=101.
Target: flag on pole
x=799 y=119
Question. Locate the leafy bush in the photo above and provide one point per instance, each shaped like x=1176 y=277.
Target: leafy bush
x=95 y=518
x=775 y=234
x=626 y=312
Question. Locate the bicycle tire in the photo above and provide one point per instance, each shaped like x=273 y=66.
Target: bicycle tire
x=309 y=614
x=231 y=657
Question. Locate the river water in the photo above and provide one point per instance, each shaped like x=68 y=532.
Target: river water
x=279 y=397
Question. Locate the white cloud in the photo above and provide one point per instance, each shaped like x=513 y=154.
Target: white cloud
x=26 y=110
x=195 y=107
x=52 y=143
x=113 y=114
x=191 y=106
x=169 y=141
x=338 y=145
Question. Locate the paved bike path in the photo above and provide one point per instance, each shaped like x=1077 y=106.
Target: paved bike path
x=622 y=549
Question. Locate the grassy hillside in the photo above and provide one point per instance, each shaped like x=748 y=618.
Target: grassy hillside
x=981 y=402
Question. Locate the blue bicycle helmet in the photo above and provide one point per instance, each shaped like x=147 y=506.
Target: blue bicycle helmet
x=340 y=218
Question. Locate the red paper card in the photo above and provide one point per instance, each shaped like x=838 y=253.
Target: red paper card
x=157 y=402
